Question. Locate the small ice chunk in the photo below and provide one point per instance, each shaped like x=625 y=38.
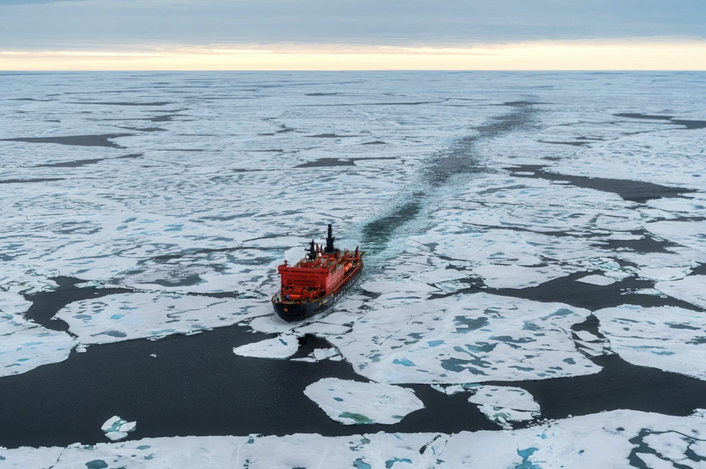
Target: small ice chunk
x=324 y=353
x=116 y=428
x=354 y=402
x=282 y=346
x=599 y=280
x=504 y=404
x=587 y=336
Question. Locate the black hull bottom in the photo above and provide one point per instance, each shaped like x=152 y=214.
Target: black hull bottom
x=292 y=312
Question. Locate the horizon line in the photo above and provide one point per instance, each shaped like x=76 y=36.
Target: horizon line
x=594 y=55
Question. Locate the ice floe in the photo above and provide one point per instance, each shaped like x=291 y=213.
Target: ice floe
x=505 y=404
x=466 y=338
x=599 y=280
x=355 y=402
x=610 y=440
x=686 y=233
x=668 y=338
x=149 y=315
x=691 y=289
x=282 y=346
x=25 y=345
x=116 y=428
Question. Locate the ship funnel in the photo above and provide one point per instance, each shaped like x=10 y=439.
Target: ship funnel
x=329 y=240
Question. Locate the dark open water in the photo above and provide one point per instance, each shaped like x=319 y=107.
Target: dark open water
x=197 y=386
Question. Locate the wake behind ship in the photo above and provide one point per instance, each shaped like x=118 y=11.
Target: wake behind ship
x=316 y=282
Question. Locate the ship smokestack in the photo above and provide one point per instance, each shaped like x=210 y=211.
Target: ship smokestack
x=329 y=240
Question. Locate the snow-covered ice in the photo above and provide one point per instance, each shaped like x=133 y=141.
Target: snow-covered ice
x=147 y=315
x=691 y=289
x=668 y=338
x=609 y=440
x=355 y=402
x=282 y=346
x=183 y=204
x=466 y=338
x=599 y=280
x=25 y=345
x=505 y=404
x=208 y=222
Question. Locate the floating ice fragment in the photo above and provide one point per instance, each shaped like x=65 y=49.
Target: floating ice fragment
x=504 y=404
x=599 y=280
x=116 y=428
x=355 y=402
x=326 y=353
x=587 y=336
x=282 y=346
x=452 y=389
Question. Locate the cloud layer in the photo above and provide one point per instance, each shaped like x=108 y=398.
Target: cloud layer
x=81 y=23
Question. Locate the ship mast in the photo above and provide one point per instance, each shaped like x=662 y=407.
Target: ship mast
x=329 y=240
x=312 y=251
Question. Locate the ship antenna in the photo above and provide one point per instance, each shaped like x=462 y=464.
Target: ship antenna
x=329 y=240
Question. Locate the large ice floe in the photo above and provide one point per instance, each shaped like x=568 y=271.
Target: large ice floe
x=147 y=315
x=25 y=345
x=466 y=338
x=691 y=289
x=668 y=338
x=610 y=440
x=354 y=402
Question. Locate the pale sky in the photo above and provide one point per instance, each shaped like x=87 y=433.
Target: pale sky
x=348 y=34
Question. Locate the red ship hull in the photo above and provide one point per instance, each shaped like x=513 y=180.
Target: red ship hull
x=317 y=282
x=297 y=311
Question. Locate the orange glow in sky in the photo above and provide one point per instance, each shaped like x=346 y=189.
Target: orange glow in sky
x=544 y=55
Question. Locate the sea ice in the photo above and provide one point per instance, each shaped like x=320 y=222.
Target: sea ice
x=599 y=280
x=200 y=215
x=282 y=346
x=355 y=402
x=691 y=289
x=149 y=315
x=116 y=428
x=668 y=338
x=466 y=338
x=25 y=345
x=608 y=440
x=685 y=233
x=505 y=404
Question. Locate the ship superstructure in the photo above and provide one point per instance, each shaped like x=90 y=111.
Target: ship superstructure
x=317 y=281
